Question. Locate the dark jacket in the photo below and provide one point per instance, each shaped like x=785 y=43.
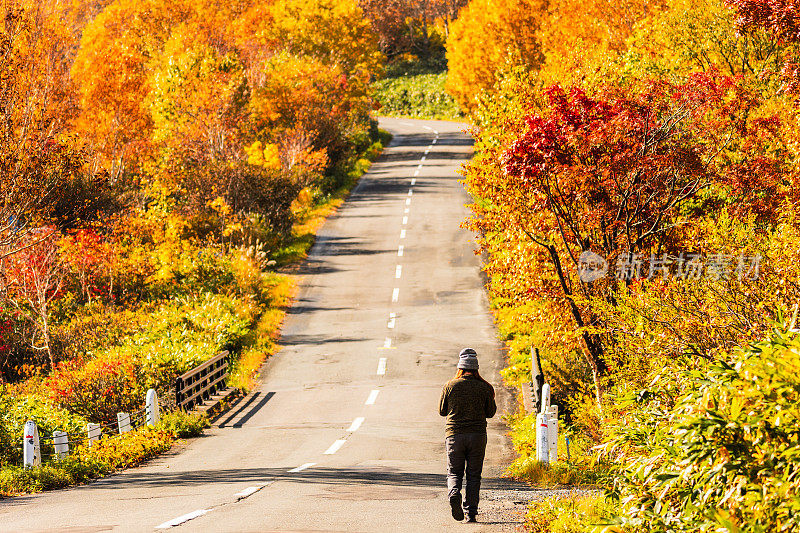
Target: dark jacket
x=467 y=402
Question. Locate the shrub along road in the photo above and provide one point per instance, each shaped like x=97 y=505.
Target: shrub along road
x=343 y=434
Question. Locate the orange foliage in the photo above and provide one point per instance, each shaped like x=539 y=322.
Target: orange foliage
x=489 y=36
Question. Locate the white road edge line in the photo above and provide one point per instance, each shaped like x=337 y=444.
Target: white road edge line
x=301 y=468
x=400 y=251
x=182 y=519
x=372 y=397
x=335 y=447
x=356 y=424
x=395 y=294
x=249 y=491
x=382 y=366
x=398 y=271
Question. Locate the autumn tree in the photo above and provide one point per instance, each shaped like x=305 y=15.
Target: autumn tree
x=33 y=278
x=781 y=19
x=487 y=37
x=43 y=179
x=616 y=175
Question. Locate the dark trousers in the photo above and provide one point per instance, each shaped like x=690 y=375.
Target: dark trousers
x=466 y=449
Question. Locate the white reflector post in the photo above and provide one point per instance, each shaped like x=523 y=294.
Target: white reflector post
x=123 y=422
x=542 y=437
x=93 y=431
x=61 y=443
x=151 y=406
x=552 y=440
x=31 y=452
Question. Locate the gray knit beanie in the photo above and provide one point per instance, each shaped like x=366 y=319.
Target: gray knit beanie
x=468 y=359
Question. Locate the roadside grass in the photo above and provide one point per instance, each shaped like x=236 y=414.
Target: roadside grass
x=576 y=513
x=267 y=296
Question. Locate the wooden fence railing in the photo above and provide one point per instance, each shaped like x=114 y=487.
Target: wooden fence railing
x=199 y=384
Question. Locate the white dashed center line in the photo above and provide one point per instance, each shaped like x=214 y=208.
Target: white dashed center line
x=419 y=166
x=408 y=201
x=410 y=192
x=301 y=467
x=183 y=518
x=372 y=397
x=335 y=447
x=402 y=234
x=400 y=251
x=423 y=158
x=382 y=366
x=434 y=141
x=413 y=181
x=405 y=220
x=356 y=424
x=390 y=324
x=395 y=294
x=398 y=271
x=387 y=343
x=405 y=210
x=416 y=173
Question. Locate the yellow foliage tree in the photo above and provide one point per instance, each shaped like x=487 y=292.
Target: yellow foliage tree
x=332 y=32
x=489 y=35
x=578 y=38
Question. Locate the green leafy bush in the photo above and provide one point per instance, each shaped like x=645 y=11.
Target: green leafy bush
x=726 y=456
x=183 y=425
x=420 y=96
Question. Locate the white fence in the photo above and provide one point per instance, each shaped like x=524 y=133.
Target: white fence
x=31 y=447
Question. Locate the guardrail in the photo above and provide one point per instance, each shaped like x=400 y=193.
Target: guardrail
x=199 y=384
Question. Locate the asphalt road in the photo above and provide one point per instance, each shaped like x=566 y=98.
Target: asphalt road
x=343 y=434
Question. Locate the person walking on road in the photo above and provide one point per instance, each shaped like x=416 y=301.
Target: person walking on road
x=467 y=401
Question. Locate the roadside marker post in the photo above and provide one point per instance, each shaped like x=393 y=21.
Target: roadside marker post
x=542 y=427
x=552 y=428
x=31 y=452
x=93 y=432
x=61 y=443
x=123 y=422
x=151 y=406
